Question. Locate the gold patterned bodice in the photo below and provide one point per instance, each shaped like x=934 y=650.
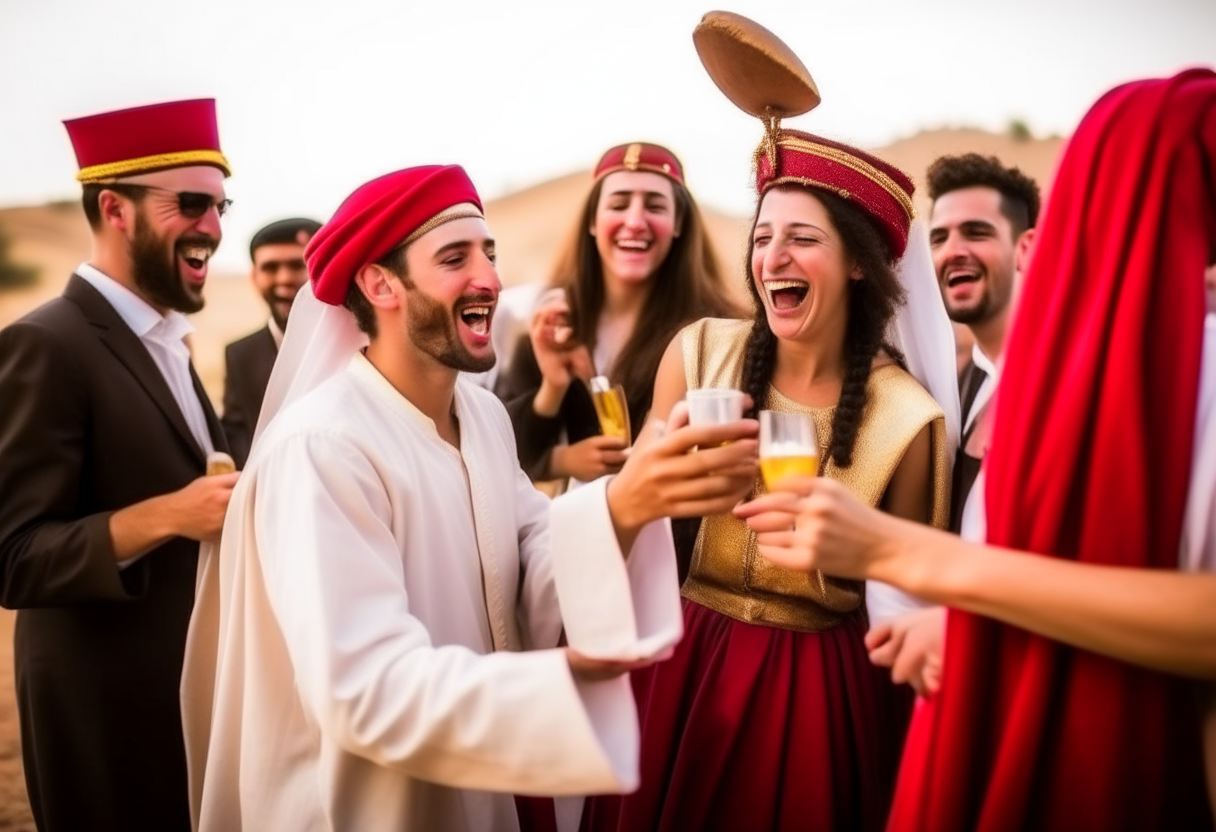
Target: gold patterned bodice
x=727 y=574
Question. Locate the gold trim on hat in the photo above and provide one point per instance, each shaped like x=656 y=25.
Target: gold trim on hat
x=464 y=210
x=852 y=162
x=127 y=167
x=633 y=156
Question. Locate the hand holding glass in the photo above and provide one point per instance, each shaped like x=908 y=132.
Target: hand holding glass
x=788 y=445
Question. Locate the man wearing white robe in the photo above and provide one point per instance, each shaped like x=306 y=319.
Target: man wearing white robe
x=369 y=645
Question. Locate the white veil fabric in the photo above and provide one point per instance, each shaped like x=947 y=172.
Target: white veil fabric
x=922 y=331
x=319 y=342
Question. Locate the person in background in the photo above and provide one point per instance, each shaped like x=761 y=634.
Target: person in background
x=981 y=231
x=277 y=271
x=104 y=436
x=638 y=267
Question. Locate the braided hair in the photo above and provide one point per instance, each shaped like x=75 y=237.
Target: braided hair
x=872 y=302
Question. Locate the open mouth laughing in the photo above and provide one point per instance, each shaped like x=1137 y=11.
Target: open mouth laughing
x=196 y=256
x=959 y=277
x=786 y=293
x=635 y=245
x=477 y=317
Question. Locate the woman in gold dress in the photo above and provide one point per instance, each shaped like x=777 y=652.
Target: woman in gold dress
x=770 y=715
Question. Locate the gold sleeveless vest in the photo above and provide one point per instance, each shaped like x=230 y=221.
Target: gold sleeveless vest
x=727 y=574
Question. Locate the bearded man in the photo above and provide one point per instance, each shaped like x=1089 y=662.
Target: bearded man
x=104 y=435
x=375 y=645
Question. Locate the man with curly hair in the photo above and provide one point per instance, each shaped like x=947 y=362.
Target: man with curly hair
x=981 y=230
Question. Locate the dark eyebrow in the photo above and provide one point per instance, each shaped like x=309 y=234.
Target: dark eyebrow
x=461 y=245
x=976 y=225
x=810 y=225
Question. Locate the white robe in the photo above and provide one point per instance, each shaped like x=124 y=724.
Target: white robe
x=347 y=664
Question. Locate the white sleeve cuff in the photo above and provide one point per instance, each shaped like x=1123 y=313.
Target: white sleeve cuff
x=613 y=608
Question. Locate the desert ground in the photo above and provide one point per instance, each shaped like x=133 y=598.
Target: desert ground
x=530 y=226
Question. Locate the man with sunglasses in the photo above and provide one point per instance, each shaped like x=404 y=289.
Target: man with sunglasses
x=104 y=436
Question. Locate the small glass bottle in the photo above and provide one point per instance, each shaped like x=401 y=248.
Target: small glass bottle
x=611 y=408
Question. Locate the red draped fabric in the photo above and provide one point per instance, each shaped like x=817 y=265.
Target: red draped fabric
x=1091 y=462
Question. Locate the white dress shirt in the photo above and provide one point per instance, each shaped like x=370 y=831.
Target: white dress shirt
x=987 y=386
x=276 y=332
x=163 y=336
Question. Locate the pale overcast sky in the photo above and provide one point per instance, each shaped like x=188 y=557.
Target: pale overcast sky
x=317 y=96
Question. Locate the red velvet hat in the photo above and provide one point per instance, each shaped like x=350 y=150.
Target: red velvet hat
x=880 y=189
x=640 y=156
x=388 y=212
x=143 y=139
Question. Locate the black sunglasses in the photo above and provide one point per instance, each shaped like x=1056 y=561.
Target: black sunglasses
x=191 y=204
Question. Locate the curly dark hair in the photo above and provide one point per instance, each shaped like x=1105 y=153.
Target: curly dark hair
x=1020 y=200
x=872 y=303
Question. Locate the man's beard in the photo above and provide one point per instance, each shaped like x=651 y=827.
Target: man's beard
x=155 y=269
x=989 y=305
x=432 y=328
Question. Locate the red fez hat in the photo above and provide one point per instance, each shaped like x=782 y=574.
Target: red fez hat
x=640 y=156
x=380 y=216
x=880 y=189
x=143 y=139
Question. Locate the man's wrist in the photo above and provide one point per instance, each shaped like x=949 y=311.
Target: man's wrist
x=625 y=516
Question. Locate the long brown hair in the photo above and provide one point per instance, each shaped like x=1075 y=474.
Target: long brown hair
x=872 y=303
x=687 y=286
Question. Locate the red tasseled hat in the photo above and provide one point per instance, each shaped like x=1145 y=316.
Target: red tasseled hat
x=144 y=139
x=880 y=189
x=380 y=216
x=640 y=156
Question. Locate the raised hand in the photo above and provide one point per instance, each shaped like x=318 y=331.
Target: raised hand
x=815 y=523
x=664 y=479
x=560 y=357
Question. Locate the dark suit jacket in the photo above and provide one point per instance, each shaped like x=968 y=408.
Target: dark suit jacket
x=88 y=426
x=247 y=366
x=966 y=467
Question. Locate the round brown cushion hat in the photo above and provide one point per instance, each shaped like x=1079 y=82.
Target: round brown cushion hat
x=753 y=67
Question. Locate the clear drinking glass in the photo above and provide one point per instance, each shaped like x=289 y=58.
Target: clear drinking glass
x=714 y=406
x=788 y=445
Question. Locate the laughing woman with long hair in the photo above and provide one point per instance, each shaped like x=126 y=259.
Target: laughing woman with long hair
x=638 y=267
x=770 y=716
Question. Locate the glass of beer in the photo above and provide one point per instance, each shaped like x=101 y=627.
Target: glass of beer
x=788 y=445
x=611 y=408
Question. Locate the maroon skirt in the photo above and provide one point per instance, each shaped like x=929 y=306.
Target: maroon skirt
x=750 y=727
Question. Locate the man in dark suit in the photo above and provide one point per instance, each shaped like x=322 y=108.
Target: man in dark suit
x=104 y=434
x=278 y=272
x=981 y=231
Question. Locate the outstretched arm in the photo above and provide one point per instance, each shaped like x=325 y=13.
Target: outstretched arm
x=1160 y=619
